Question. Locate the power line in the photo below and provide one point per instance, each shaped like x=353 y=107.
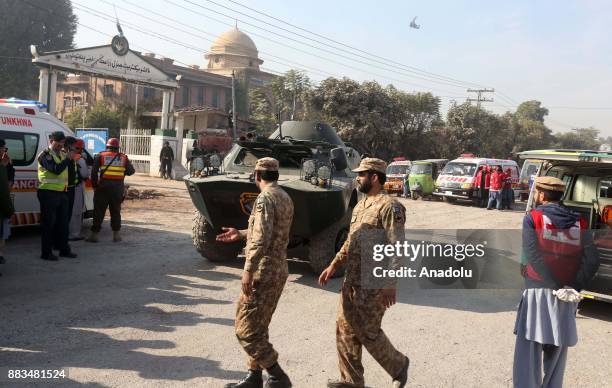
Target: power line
x=335 y=53
x=479 y=99
x=562 y=107
x=398 y=64
x=110 y=18
x=571 y=126
x=309 y=53
x=507 y=98
x=503 y=96
x=199 y=49
x=580 y=107
x=204 y=32
x=92 y=29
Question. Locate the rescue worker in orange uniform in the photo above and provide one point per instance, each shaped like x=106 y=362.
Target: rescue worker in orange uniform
x=109 y=170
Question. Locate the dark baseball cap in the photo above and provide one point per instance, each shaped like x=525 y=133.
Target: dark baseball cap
x=57 y=136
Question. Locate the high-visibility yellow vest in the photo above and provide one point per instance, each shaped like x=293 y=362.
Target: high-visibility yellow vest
x=50 y=181
x=75 y=167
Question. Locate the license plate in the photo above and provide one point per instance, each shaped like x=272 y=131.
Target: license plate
x=448 y=193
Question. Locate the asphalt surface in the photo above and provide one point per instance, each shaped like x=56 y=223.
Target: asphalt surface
x=151 y=312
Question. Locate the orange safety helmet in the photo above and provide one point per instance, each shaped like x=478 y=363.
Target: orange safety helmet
x=113 y=142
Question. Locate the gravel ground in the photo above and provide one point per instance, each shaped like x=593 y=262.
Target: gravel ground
x=151 y=312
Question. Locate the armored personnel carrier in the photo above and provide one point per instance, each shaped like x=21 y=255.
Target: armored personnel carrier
x=315 y=170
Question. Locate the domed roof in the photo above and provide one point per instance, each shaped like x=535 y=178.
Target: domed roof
x=234 y=42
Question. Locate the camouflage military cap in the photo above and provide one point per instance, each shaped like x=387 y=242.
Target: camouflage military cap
x=266 y=164
x=549 y=183
x=372 y=164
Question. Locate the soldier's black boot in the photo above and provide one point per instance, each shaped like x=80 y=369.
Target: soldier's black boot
x=278 y=378
x=253 y=379
x=400 y=381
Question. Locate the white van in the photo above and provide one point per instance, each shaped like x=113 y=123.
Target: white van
x=456 y=181
x=26 y=128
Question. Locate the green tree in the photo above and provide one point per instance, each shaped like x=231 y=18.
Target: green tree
x=100 y=116
x=262 y=110
x=531 y=110
x=74 y=119
x=50 y=25
x=414 y=117
x=477 y=131
x=526 y=128
x=579 y=138
x=364 y=114
x=289 y=94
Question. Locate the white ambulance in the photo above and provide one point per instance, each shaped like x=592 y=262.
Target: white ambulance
x=26 y=126
x=456 y=181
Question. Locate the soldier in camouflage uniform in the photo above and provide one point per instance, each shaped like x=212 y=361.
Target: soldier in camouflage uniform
x=264 y=276
x=361 y=310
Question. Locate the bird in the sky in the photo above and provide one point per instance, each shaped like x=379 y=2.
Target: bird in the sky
x=413 y=24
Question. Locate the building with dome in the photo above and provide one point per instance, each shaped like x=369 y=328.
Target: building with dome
x=234 y=52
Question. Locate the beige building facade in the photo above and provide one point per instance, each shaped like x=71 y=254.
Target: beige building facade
x=204 y=96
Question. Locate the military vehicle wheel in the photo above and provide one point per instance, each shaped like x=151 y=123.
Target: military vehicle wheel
x=204 y=234
x=414 y=195
x=323 y=247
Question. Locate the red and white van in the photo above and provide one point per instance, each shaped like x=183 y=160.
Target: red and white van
x=26 y=128
x=456 y=181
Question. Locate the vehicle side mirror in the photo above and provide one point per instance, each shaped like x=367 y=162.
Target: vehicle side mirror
x=338 y=158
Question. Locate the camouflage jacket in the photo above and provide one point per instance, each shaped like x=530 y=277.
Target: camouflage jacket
x=268 y=231
x=376 y=220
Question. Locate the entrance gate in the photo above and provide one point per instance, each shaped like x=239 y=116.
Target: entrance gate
x=136 y=144
x=113 y=61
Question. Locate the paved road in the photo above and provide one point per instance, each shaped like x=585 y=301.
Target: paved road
x=150 y=312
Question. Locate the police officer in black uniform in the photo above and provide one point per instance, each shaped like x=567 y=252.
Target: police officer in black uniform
x=53 y=165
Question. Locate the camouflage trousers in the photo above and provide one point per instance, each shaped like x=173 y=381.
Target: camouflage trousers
x=359 y=325
x=253 y=317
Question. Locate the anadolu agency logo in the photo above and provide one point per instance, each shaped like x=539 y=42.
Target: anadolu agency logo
x=432 y=259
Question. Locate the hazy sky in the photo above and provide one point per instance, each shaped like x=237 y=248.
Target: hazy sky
x=557 y=52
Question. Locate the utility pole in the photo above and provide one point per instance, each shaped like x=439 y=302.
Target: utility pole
x=136 y=107
x=84 y=112
x=293 y=109
x=280 y=123
x=233 y=106
x=479 y=97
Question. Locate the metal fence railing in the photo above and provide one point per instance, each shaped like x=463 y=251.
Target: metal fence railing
x=136 y=144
